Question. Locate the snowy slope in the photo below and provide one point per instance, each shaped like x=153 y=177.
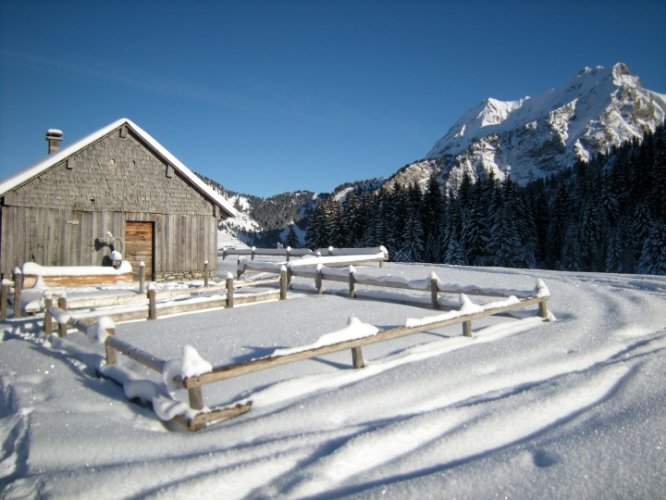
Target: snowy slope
x=567 y=409
x=232 y=228
x=535 y=136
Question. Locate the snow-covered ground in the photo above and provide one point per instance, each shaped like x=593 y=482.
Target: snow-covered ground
x=572 y=408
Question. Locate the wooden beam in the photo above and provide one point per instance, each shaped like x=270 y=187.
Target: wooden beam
x=152 y=304
x=467 y=328
x=284 y=283
x=62 y=327
x=48 y=317
x=145 y=358
x=230 y=291
x=4 y=297
x=357 y=357
x=18 y=286
x=195 y=396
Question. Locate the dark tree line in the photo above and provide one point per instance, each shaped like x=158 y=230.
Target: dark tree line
x=607 y=215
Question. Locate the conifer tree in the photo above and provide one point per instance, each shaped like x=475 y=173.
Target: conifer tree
x=433 y=212
x=412 y=247
x=652 y=259
x=292 y=239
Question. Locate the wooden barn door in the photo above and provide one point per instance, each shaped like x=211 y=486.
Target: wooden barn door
x=139 y=246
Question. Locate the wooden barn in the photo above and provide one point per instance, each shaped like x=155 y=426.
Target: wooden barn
x=116 y=189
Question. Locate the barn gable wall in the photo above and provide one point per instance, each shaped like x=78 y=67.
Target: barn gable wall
x=62 y=216
x=115 y=173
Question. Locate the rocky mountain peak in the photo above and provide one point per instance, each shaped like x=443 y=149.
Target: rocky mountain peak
x=596 y=109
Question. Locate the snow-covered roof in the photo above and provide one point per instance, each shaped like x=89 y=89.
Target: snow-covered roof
x=53 y=159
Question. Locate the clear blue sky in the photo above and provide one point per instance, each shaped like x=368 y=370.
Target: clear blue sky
x=273 y=96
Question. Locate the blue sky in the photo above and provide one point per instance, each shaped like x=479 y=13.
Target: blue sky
x=273 y=96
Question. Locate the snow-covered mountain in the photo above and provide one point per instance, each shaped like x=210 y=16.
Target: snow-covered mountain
x=535 y=136
x=529 y=138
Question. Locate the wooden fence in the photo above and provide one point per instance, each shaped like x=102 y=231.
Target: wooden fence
x=467 y=313
x=198 y=417
x=360 y=256
x=286 y=252
x=289 y=252
x=156 y=303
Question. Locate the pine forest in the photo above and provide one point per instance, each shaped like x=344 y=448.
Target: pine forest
x=607 y=215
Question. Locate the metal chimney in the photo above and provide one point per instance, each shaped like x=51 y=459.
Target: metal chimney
x=53 y=137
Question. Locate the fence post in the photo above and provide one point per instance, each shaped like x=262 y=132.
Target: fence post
x=434 y=290
x=357 y=357
x=542 y=291
x=252 y=255
x=196 y=398
x=62 y=327
x=142 y=277
x=319 y=282
x=284 y=282
x=4 y=296
x=110 y=353
x=230 y=290
x=467 y=328
x=206 y=273
x=48 y=317
x=152 y=302
x=288 y=253
x=352 y=282
x=18 y=287
x=543 y=309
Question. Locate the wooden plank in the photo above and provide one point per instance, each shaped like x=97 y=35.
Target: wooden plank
x=201 y=420
x=108 y=301
x=254 y=298
x=145 y=358
x=72 y=280
x=163 y=310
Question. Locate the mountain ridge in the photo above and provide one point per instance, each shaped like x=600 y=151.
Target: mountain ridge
x=528 y=138
x=533 y=137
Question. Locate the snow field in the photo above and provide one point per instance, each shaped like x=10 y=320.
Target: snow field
x=525 y=408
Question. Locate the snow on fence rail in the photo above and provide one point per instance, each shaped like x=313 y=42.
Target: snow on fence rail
x=197 y=416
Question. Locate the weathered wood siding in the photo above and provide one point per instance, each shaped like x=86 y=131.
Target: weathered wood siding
x=59 y=217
